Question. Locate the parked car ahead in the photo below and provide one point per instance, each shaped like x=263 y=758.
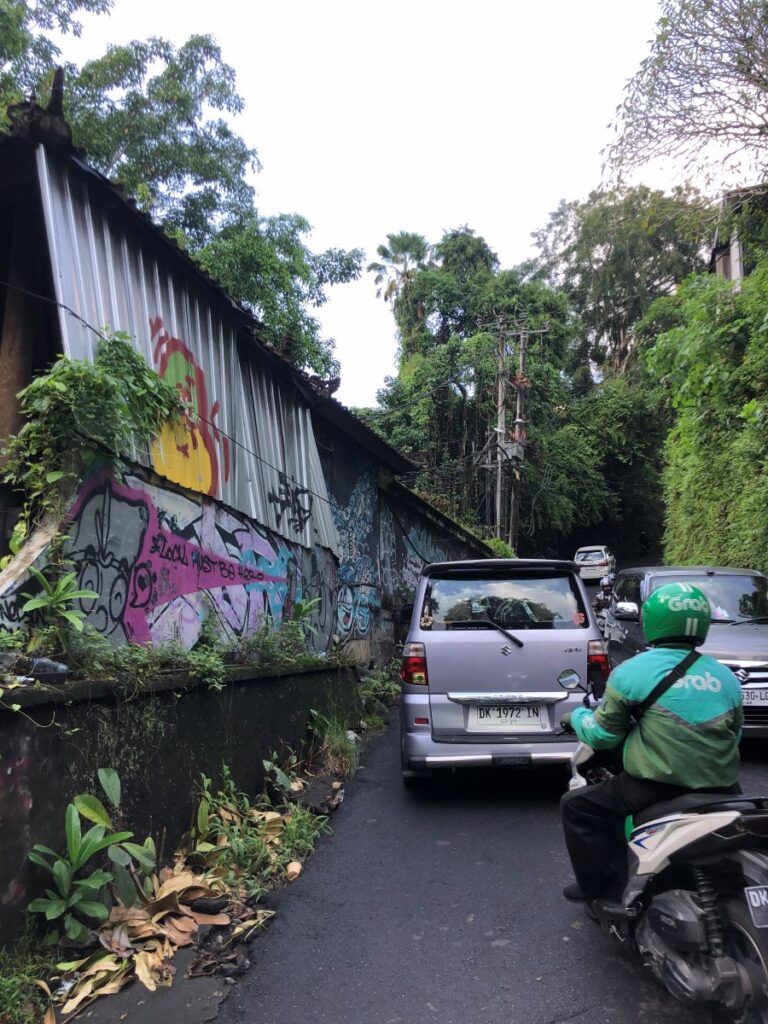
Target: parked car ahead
x=494 y=653
x=738 y=636
x=595 y=562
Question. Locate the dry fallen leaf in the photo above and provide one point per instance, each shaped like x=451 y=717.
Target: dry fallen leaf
x=292 y=870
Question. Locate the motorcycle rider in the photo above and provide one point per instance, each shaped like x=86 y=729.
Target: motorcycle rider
x=687 y=739
x=603 y=596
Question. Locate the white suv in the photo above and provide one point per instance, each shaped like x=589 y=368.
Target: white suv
x=595 y=561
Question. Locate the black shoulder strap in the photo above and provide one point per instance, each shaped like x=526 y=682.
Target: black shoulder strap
x=660 y=688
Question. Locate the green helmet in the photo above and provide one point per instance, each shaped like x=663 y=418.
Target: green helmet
x=676 y=613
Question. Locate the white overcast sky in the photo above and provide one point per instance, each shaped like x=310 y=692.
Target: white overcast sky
x=411 y=115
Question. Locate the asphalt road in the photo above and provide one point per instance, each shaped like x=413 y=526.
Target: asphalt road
x=445 y=907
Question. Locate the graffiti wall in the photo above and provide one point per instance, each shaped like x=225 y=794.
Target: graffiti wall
x=407 y=542
x=161 y=562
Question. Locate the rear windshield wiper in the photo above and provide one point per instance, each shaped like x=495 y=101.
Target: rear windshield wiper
x=742 y=622
x=486 y=623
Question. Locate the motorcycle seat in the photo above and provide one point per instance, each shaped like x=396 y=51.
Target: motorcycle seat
x=692 y=802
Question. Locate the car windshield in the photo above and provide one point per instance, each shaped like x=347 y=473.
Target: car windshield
x=732 y=598
x=482 y=600
x=596 y=555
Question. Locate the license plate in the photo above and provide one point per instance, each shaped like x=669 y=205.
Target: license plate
x=757 y=901
x=753 y=698
x=508 y=718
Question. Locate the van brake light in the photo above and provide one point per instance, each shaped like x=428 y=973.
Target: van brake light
x=597 y=661
x=414 y=668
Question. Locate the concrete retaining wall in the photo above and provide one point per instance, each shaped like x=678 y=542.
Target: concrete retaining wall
x=159 y=742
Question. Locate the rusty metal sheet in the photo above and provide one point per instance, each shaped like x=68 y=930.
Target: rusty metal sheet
x=249 y=439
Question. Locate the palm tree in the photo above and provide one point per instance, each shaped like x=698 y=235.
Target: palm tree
x=404 y=254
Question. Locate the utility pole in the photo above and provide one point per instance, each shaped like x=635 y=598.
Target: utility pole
x=504 y=332
x=509 y=452
x=501 y=403
x=519 y=437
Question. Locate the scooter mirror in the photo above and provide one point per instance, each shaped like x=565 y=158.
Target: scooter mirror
x=569 y=679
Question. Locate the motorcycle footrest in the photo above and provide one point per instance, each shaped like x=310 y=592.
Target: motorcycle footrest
x=611 y=910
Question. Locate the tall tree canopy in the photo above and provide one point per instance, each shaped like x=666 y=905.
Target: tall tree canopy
x=156 y=118
x=27 y=54
x=615 y=253
x=701 y=94
x=590 y=463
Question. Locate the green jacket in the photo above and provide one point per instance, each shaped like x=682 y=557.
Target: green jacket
x=689 y=737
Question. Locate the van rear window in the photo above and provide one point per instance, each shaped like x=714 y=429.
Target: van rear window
x=458 y=601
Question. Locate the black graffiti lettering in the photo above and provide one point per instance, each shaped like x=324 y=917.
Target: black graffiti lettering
x=169 y=552
x=248 y=575
x=296 y=501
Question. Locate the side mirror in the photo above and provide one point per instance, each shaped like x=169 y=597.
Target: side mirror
x=627 y=610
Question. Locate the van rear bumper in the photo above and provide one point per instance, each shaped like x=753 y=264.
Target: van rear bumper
x=421 y=752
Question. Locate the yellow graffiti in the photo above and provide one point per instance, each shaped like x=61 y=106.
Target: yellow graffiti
x=179 y=454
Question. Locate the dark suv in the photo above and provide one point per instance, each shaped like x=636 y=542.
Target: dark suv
x=738 y=636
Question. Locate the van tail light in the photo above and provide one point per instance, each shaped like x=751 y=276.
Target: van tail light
x=598 y=666
x=414 y=670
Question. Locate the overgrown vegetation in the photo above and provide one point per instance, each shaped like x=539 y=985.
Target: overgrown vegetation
x=109 y=899
x=79 y=412
x=22 y=1001
x=379 y=690
x=714 y=371
x=248 y=846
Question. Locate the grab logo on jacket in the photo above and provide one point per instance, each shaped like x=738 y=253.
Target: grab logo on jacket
x=705 y=682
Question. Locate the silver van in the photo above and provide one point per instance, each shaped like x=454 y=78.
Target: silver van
x=496 y=653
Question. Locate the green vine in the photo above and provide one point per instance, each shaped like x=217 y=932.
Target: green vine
x=78 y=412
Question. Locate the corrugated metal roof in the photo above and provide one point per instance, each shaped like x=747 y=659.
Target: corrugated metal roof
x=248 y=440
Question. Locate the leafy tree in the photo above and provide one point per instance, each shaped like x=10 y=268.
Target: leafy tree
x=404 y=254
x=593 y=458
x=26 y=53
x=153 y=117
x=614 y=254
x=701 y=94
x=264 y=261
x=143 y=113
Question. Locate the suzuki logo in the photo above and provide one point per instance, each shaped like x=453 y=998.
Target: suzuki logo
x=742 y=675
x=506 y=649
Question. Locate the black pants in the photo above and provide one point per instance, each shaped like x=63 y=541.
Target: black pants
x=593 y=822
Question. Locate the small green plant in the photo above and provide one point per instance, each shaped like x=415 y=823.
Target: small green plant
x=74 y=899
x=379 y=690
x=22 y=1000
x=13 y=641
x=55 y=600
x=78 y=899
x=282 y=778
x=302 y=611
x=247 y=845
x=500 y=548
x=332 y=747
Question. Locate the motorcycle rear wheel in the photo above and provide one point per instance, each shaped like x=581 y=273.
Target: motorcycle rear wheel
x=749 y=945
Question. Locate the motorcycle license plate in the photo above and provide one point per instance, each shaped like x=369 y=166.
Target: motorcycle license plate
x=757 y=901
x=508 y=718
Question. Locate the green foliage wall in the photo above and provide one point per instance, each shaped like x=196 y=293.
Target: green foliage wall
x=714 y=370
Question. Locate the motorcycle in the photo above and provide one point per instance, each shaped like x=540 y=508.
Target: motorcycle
x=695 y=906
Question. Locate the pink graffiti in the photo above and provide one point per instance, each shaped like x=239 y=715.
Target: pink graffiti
x=139 y=564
